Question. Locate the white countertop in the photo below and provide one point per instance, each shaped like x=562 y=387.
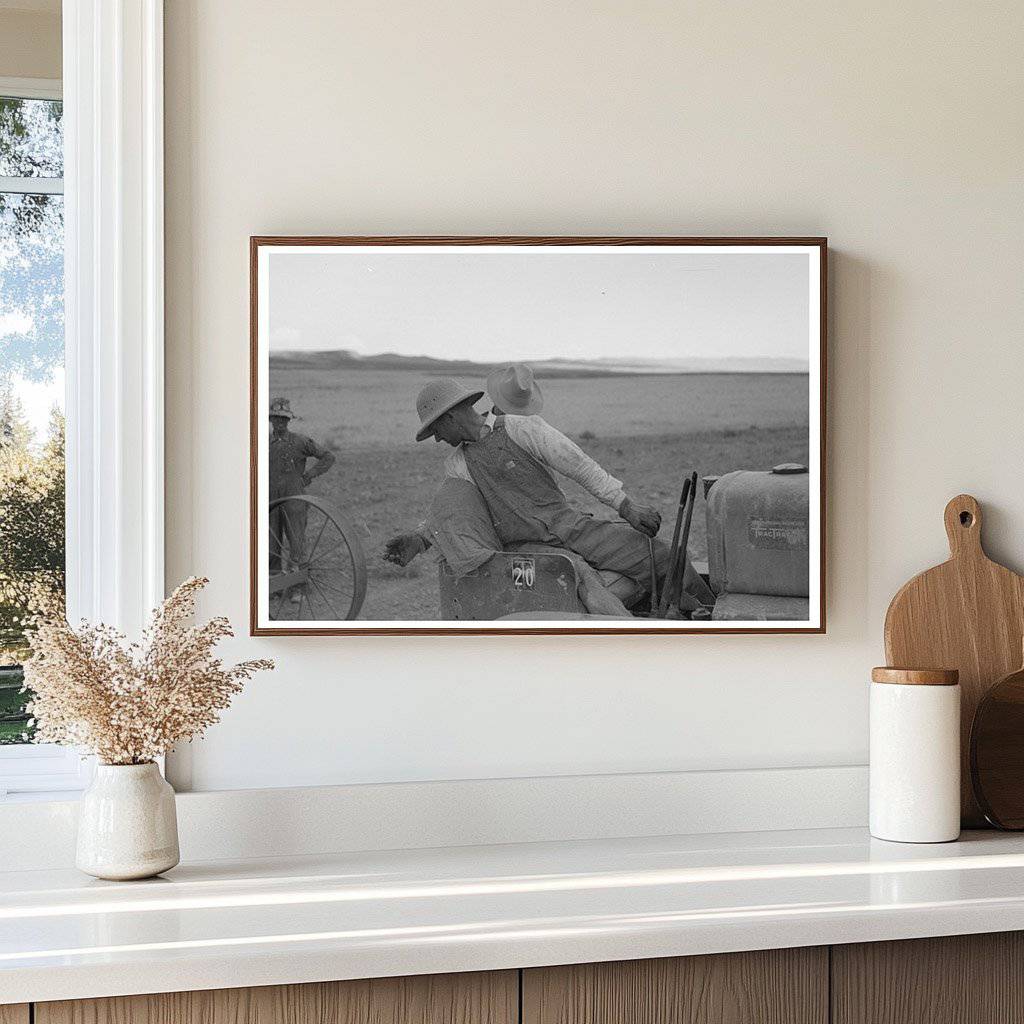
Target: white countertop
x=272 y=921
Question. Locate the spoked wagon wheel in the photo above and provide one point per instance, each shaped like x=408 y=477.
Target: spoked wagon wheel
x=327 y=580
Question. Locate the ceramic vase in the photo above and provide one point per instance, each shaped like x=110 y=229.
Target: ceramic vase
x=127 y=826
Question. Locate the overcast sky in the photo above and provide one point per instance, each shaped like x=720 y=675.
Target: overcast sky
x=531 y=306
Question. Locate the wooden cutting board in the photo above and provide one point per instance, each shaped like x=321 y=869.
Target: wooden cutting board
x=967 y=614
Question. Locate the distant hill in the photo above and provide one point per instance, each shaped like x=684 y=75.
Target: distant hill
x=343 y=359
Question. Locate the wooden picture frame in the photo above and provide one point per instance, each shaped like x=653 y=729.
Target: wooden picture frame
x=308 y=366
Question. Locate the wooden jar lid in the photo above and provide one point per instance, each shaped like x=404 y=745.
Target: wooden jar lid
x=916 y=676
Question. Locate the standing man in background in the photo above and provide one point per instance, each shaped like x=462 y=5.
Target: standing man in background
x=513 y=392
x=289 y=476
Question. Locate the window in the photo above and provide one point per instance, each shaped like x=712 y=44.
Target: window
x=112 y=165
x=31 y=404
x=31 y=380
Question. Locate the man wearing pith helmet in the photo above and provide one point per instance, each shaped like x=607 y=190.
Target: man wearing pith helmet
x=511 y=460
x=289 y=454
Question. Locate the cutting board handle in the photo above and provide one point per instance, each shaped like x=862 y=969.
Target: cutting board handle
x=963 y=526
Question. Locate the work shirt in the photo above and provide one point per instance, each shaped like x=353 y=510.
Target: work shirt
x=511 y=467
x=552 y=449
x=288 y=455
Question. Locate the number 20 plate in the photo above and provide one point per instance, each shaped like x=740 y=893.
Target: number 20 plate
x=524 y=573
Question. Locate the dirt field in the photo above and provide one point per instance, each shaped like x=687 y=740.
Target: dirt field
x=647 y=431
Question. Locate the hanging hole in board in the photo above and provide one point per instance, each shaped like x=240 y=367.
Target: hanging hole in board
x=966 y=519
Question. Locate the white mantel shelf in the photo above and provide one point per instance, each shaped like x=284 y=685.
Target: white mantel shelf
x=271 y=921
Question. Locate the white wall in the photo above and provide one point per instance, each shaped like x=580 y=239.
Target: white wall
x=895 y=129
x=30 y=39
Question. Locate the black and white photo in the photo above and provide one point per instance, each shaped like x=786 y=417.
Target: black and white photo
x=526 y=435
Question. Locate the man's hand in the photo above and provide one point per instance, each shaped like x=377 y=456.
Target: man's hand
x=645 y=518
x=404 y=548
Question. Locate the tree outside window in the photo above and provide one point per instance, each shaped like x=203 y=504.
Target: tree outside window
x=31 y=385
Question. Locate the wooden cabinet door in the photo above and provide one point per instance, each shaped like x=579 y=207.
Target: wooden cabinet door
x=962 y=979
x=778 y=986
x=479 y=998
x=14 y=1013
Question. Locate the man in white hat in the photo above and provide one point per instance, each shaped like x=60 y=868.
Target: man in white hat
x=513 y=391
x=511 y=464
x=289 y=453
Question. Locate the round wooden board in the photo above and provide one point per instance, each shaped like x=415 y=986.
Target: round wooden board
x=997 y=753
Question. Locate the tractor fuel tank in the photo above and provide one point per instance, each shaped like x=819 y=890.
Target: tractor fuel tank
x=758 y=532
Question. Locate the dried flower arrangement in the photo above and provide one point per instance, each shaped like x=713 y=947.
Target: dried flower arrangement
x=129 y=703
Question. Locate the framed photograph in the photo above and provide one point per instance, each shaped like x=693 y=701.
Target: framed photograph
x=537 y=435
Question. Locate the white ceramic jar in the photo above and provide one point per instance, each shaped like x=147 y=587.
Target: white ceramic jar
x=127 y=824
x=915 y=755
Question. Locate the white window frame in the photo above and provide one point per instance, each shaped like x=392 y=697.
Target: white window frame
x=31 y=88
x=114 y=327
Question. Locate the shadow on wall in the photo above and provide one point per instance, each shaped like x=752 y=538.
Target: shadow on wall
x=853 y=287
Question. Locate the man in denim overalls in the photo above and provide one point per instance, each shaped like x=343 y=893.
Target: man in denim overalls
x=511 y=464
x=289 y=454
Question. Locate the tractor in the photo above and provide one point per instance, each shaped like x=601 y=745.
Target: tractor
x=329 y=581
x=758 y=531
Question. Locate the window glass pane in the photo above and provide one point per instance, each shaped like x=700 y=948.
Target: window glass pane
x=31 y=430
x=31 y=138
x=14 y=722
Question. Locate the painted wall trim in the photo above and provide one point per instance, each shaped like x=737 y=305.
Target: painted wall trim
x=113 y=109
x=31 y=88
x=240 y=824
